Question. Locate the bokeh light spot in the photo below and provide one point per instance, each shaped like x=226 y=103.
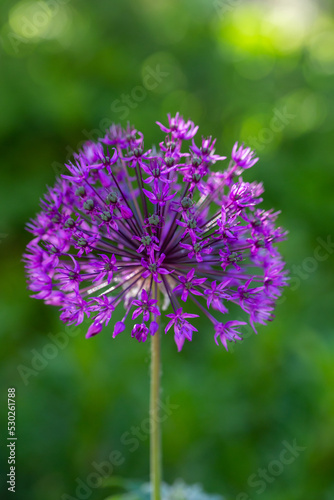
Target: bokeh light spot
x=33 y=20
x=161 y=73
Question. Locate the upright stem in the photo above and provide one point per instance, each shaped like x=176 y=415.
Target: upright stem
x=155 y=444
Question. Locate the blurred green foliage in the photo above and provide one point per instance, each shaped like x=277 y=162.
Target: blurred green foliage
x=261 y=72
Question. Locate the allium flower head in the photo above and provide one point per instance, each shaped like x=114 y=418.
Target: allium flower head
x=125 y=225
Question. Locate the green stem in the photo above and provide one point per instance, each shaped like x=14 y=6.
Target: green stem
x=155 y=444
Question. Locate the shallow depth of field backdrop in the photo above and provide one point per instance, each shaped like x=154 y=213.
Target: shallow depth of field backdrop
x=252 y=71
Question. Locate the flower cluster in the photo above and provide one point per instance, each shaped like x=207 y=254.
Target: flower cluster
x=126 y=225
x=180 y=490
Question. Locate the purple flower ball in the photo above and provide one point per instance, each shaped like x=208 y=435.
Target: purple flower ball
x=125 y=226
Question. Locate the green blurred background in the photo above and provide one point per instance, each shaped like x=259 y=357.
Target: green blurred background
x=261 y=72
